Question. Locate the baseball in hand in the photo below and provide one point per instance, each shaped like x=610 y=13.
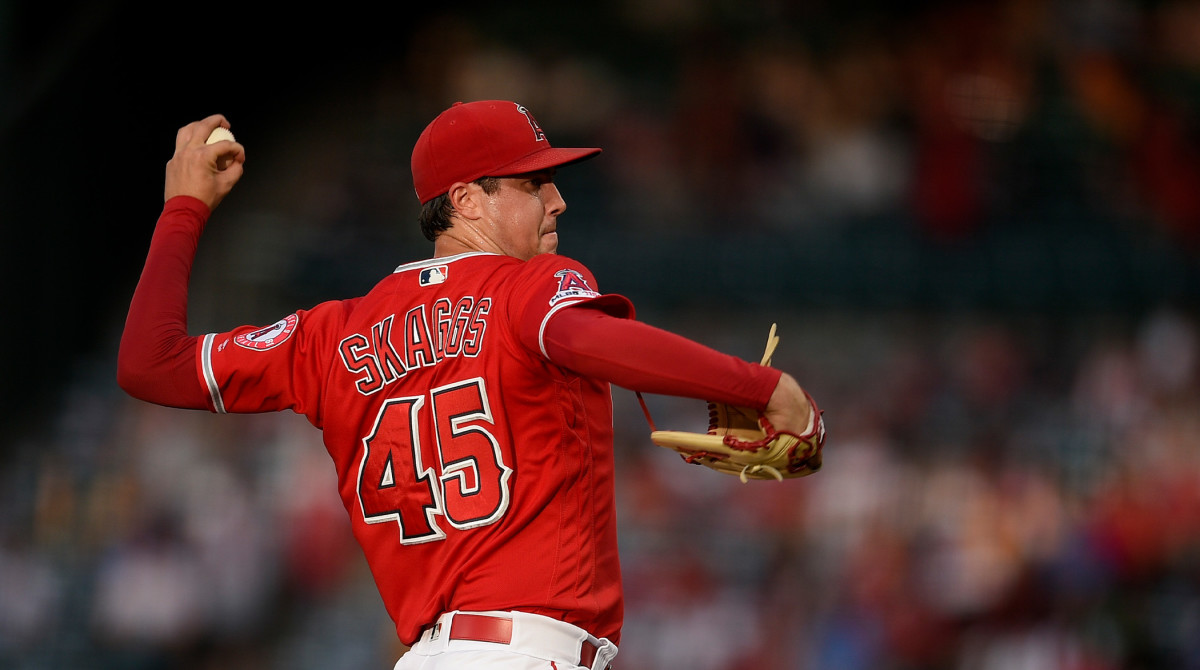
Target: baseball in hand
x=220 y=134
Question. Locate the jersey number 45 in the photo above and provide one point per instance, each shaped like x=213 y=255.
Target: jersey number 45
x=460 y=477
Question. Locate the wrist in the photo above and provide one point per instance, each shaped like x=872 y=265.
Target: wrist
x=789 y=408
x=187 y=202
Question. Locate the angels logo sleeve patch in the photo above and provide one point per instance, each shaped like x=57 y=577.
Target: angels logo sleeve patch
x=269 y=337
x=571 y=284
x=553 y=283
x=278 y=366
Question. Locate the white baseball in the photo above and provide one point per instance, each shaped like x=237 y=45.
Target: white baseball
x=220 y=134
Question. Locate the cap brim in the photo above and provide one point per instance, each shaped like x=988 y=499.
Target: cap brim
x=546 y=158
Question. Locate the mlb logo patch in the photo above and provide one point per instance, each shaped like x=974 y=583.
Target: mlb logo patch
x=433 y=275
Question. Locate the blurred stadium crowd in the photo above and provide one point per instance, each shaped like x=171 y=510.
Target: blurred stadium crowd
x=976 y=225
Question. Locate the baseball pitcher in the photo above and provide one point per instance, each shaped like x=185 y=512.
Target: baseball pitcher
x=465 y=400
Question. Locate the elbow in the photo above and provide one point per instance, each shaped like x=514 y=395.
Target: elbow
x=135 y=376
x=161 y=375
x=130 y=381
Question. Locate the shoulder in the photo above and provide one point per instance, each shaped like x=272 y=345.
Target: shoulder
x=551 y=267
x=554 y=279
x=558 y=260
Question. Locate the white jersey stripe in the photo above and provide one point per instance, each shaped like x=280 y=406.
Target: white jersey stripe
x=430 y=262
x=214 y=391
x=546 y=319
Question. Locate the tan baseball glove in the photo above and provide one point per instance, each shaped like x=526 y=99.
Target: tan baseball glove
x=741 y=441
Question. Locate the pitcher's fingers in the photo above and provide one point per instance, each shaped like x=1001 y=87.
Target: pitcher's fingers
x=197 y=132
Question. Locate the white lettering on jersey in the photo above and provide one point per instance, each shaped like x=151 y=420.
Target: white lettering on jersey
x=386 y=354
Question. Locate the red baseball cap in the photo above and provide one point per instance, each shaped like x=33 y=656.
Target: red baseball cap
x=486 y=138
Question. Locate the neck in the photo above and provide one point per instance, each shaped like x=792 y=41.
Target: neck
x=446 y=245
x=461 y=237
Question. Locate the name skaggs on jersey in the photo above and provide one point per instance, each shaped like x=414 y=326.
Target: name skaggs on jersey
x=384 y=355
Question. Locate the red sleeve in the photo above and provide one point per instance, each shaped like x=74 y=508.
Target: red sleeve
x=282 y=366
x=640 y=357
x=157 y=358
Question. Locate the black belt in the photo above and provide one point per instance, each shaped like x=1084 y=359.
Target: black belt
x=483 y=628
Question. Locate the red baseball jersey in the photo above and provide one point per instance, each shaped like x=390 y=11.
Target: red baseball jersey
x=477 y=474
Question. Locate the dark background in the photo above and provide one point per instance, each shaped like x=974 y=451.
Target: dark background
x=92 y=95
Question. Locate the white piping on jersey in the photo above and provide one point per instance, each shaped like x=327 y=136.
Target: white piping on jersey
x=546 y=319
x=467 y=254
x=441 y=260
x=214 y=391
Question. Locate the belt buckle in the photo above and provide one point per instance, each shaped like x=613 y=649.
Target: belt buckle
x=597 y=656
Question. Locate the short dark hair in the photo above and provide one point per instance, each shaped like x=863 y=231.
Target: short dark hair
x=435 y=214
